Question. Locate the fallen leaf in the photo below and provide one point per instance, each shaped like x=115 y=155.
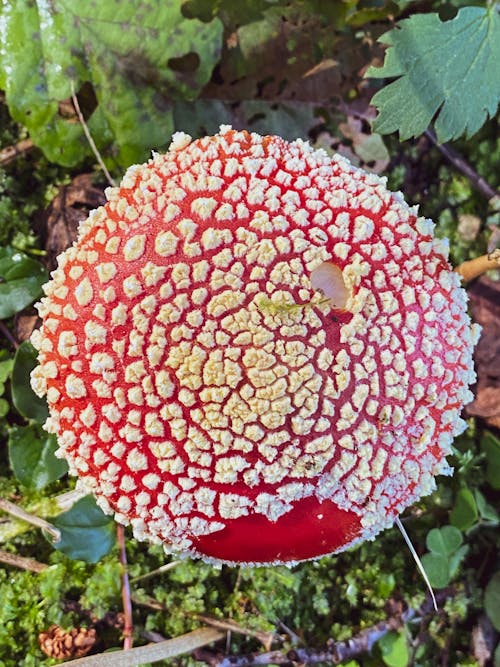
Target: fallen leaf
x=368 y=146
x=58 y=224
x=24 y=325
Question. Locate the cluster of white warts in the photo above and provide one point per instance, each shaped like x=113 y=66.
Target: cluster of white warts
x=176 y=393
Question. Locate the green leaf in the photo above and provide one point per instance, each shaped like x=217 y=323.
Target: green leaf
x=447 y=71
x=456 y=558
x=491 y=447
x=486 y=511
x=133 y=57
x=437 y=569
x=86 y=532
x=5 y=370
x=492 y=600
x=21 y=280
x=31 y=455
x=26 y=402
x=4 y=407
x=394 y=649
x=444 y=541
x=464 y=513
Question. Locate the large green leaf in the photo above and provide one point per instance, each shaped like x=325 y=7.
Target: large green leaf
x=86 y=532
x=21 y=280
x=31 y=454
x=137 y=56
x=26 y=402
x=449 y=71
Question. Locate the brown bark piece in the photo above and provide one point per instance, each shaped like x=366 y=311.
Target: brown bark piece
x=484 y=297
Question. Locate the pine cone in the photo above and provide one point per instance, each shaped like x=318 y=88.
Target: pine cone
x=63 y=644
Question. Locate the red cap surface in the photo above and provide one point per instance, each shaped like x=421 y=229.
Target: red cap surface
x=254 y=352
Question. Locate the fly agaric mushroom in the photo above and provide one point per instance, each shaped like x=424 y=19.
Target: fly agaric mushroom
x=254 y=352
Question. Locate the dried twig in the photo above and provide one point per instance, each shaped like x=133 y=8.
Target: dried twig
x=86 y=130
x=462 y=165
x=334 y=653
x=148 y=603
x=265 y=638
x=128 y=630
x=10 y=153
x=153 y=573
x=8 y=336
x=19 y=513
x=21 y=562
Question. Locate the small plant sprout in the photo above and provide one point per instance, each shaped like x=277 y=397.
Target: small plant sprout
x=254 y=353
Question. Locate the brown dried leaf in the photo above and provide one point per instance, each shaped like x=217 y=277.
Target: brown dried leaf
x=24 y=325
x=355 y=142
x=58 y=224
x=484 y=296
x=369 y=147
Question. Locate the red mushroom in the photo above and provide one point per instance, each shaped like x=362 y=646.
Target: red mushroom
x=254 y=353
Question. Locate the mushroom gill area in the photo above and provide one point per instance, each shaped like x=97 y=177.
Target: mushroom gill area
x=254 y=352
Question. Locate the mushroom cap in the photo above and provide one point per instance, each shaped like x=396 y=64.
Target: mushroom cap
x=254 y=352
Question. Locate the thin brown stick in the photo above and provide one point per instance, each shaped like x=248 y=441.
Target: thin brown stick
x=10 y=153
x=148 y=603
x=86 y=131
x=128 y=630
x=19 y=513
x=265 y=638
x=153 y=573
x=21 y=562
x=462 y=165
x=334 y=653
x=8 y=336
x=479 y=265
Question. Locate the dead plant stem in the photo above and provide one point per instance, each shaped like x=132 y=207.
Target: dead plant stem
x=86 y=130
x=463 y=166
x=128 y=630
x=19 y=513
x=8 y=336
x=21 y=562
